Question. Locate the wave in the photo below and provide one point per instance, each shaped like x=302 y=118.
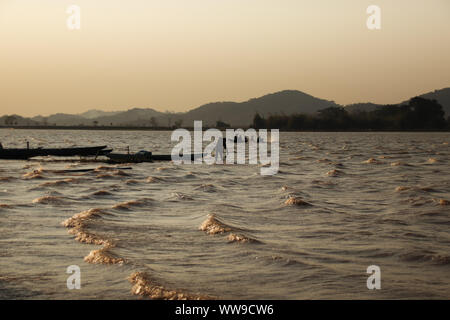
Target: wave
x=39 y=170
x=77 y=226
x=232 y=237
x=402 y=188
x=373 y=161
x=54 y=183
x=144 y=286
x=418 y=189
x=78 y=219
x=104 y=168
x=212 y=225
x=49 y=200
x=113 y=174
x=154 y=180
x=335 y=173
x=120 y=173
x=296 y=201
x=284 y=260
x=35 y=174
x=287 y=188
x=104 y=176
x=84 y=236
x=423 y=257
x=78 y=223
x=103 y=256
x=400 y=163
x=128 y=204
x=101 y=193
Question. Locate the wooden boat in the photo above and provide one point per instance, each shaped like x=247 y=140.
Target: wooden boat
x=143 y=156
x=23 y=154
x=81 y=151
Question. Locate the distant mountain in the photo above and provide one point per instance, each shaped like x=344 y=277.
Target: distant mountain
x=97 y=117
x=62 y=119
x=237 y=114
x=241 y=114
x=16 y=120
x=92 y=114
x=442 y=96
x=135 y=116
x=362 y=107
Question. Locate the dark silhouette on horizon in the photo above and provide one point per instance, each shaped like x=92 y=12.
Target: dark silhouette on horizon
x=224 y=115
x=418 y=114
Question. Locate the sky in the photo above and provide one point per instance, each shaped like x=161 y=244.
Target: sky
x=179 y=54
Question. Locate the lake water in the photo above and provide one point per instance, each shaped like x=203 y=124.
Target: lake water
x=367 y=199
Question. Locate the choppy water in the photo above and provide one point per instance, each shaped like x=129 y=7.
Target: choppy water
x=341 y=202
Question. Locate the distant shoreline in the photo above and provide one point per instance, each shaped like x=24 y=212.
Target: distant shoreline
x=130 y=128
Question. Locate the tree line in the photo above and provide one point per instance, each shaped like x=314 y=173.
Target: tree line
x=418 y=114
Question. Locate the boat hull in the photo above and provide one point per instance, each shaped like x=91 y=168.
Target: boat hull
x=129 y=158
x=136 y=158
x=23 y=154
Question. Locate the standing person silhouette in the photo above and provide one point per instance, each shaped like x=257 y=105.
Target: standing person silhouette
x=219 y=150
x=224 y=143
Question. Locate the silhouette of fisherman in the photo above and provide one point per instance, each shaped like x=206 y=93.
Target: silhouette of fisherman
x=236 y=140
x=219 y=150
x=220 y=147
x=224 y=143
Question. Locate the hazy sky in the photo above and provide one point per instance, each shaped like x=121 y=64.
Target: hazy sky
x=178 y=54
